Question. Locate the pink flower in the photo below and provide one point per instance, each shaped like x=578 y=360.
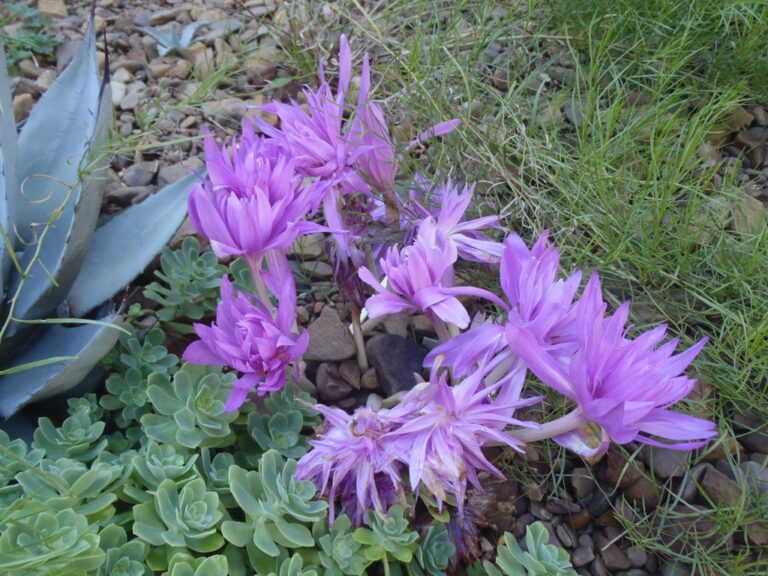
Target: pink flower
x=535 y=300
x=420 y=278
x=248 y=338
x=447 y=207
x=253 y=203
x=625 y=386
x=441 y=443
x=349 y=460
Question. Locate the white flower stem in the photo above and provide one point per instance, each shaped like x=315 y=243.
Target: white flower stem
x=570 y=421
x=357 y=333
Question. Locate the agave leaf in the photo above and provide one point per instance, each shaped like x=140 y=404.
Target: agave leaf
x=189 y=32
x=159 y=36
x=124 y=246
x=61 y=167
x=8 y=155
x=89 y=343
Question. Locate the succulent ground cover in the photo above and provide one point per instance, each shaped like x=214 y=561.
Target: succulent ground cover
x=629 y=137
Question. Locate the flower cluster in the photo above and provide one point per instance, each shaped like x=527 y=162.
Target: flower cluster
x=338 y=155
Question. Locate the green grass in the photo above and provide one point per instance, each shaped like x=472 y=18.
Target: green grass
x=626 y=191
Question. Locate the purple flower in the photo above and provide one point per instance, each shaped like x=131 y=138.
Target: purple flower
x=248 y=338
x=448 y=213
x=535 y=300
x=349 y=460
x=253 y=203
x=624 y=386
x=442 y=442
x=420 y=278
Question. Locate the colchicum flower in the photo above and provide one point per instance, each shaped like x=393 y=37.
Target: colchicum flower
x=447 y=208
x=535 y=300
x=420 y=278
x=624 y=386
x=349 y=458
x=253 y=202
x=441 y=443
x=250 y=339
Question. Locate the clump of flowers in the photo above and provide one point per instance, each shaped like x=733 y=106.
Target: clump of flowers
x=339 y=155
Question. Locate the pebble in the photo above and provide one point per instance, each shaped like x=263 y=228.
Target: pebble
x=666 y=463
x=582 y=556
x=519 y=528
x=538 y=510
x=22 y=106
x=582 y=482
x=330 y=386
x=53 y=8
x=369 y=380
x=310 y=246
x=329 y=339
x=317 y=269
x=598 y=569
x=350 y=373
x=138 y=175
x=637 y=556
x=560 y=506
x=397 y=360
x=396 y=324
x=565 y=535
x=614 y=559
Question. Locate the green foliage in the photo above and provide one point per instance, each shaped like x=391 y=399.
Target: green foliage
x=294 y=566
x=216 y=473
x=339 y=553
x=189 y=284
x=277 y=508
x=14 y=457
x=388 y=536
x=147 y=355
x=289 y=416
x=189 y=408
x=31 y=39
x=36 y=542
x=123 y=558
x=79 y=437
x=540 y=559
x=434 y=552
x=128 y=395
x=72 y=485
x=185 y=565
x=188 y=518
x=157 y=463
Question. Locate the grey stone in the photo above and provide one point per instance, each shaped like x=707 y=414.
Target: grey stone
x=317 y=269
x=614 y=558
x=565 y=535
x=582 y=482
x=330 y=386
x=329 y=339
x=582 y=556
x=350 y=373
x=138 y=175
x=666 y=463
x=637 y=556
x=396 y=360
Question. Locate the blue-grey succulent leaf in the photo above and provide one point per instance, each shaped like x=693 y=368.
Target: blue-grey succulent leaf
x=8 y=155
x=190 y=31
x=124 y=246
x=87 y=342
x=61 y=166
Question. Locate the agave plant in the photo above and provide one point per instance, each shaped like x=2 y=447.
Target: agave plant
x=174 y=42
x=53 y=258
